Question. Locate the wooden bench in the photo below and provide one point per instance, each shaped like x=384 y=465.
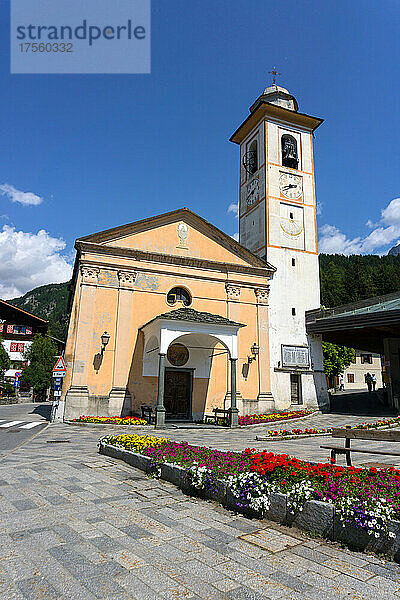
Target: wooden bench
x=147 y=413
x=220 y=416
x=371 y=435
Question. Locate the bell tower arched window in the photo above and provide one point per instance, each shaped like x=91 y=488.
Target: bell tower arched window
x=290 y=157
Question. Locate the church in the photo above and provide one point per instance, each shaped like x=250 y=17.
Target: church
x=172 y=313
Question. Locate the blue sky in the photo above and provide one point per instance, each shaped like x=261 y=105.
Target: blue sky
x=106 y=150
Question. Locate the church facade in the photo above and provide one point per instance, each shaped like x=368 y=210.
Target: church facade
x=172 y=313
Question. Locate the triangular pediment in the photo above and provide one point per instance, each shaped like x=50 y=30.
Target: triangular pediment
x=180 y=233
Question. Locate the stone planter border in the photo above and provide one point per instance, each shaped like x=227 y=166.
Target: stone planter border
x=81 y=423
x=279 y=438
x=280 y=421
x=316 y=517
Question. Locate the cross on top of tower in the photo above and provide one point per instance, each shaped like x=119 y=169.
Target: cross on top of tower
x=274 y=74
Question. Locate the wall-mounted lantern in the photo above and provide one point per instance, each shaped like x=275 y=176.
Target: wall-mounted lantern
x=254 y=349
x=105 y=338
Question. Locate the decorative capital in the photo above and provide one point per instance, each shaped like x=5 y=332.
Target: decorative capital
x=262 y=295
x=232 y=291
x=89 y=274
x=127 y=279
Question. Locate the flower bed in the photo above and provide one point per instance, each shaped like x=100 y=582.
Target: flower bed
x=273 y=433
x=365 y=498
x=273 y=417
x=111 y=420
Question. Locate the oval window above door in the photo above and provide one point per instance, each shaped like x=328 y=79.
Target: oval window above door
x=178 y=294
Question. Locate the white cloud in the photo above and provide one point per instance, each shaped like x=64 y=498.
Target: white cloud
x=319 y=208
x=234 y=208
x=28 y=260
x=391 y=214
x=383 y=234
x=333 y=241
x=25 y=198
x=236 y=236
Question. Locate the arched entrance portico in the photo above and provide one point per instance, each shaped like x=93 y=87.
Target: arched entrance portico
x=201 y=333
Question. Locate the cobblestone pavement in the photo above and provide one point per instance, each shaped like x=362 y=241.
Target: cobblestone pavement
x=245 y=437
x=77 y=525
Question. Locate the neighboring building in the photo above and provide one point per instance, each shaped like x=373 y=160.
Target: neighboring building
x=191 y=315
x=17 y=328
x=364 y=362
x=372 y=324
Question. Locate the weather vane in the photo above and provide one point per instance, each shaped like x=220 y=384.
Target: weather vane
x=274 y=74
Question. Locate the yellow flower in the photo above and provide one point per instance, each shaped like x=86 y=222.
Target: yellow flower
x=135 y=442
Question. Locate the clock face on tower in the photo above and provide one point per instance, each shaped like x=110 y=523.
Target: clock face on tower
x=252 y=192
x=291 y=185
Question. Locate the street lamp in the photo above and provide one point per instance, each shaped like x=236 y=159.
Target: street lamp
x=105 y=338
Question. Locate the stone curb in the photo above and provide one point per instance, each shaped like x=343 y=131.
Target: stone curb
x=316 y=517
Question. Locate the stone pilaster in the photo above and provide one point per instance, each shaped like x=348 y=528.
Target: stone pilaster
x=77 y=397
x=120 y=402
x=266 y=402
x=233 y=312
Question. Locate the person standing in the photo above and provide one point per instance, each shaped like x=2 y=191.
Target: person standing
x=374 y=380
x=341 y=383
x=368 y=380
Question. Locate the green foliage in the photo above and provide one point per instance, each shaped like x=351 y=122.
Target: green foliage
x=8 y=389
x=4 y=361
x=42 y=355
x=336 y=358
x=49 y=302
x=346 y=279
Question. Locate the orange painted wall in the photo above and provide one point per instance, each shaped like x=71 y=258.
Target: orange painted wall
x=148 y=300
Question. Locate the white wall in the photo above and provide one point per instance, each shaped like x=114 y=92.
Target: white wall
x=295 y=286
x=359 y=370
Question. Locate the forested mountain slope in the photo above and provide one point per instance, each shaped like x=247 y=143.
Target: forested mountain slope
x=349 y=278
x=50 y=303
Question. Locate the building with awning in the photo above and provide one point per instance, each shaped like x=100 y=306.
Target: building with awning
x=372 y=325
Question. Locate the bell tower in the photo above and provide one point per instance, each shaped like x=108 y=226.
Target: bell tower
x=277 y=221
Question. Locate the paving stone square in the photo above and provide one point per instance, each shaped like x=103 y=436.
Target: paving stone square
x=75 y=525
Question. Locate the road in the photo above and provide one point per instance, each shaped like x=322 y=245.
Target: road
x=19 y=423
